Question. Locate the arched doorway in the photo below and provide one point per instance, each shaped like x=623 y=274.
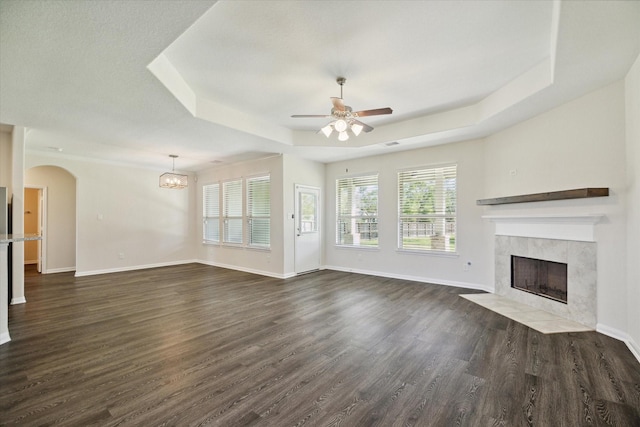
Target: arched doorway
x=34 y=202
x=58 y=189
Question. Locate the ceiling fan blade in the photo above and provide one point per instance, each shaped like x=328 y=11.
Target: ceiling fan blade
x=365 y=126
x=298 y=116
x=338 y=104
x=376 y=112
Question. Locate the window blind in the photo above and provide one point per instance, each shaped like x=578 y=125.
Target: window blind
x=211 y=213
x=259 y=211
x=232 y=211
x=357 y=211
x=427 y=209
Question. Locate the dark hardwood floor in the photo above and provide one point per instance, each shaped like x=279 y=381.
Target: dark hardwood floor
x=199 y=345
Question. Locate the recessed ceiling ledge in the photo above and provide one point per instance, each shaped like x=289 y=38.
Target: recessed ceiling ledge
x=164 y=71
x=524 y=86
x=234 y=119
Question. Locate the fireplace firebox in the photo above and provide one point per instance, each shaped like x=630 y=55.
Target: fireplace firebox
x=544 y=278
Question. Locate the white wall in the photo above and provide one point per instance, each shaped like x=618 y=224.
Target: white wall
x=260 y=261
x=472 y=238
x=5 y=176
x=121 y=210
x=286 y=171
x=302 y=172
x=5 y=160
x=17 y=215
x=60 y=243
x=632 y=101
x=579 y=144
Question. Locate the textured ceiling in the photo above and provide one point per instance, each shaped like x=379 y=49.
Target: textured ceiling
x=135 y=81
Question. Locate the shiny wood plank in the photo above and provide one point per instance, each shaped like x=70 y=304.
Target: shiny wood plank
x=199 y=345
x=578 y=193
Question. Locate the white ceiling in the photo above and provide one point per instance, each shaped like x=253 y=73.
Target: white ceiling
x=135 y=81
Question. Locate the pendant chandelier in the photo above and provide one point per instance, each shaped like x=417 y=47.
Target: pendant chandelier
x=172 y=179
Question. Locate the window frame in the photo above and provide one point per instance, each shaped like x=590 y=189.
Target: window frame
x=444 y=220
x=211 y=219
x=226 y=218
x=342 y=219
x=250 y=217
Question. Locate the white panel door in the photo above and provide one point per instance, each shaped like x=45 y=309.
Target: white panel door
x=308 y=245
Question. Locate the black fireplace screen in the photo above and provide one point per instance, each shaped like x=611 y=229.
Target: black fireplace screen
x=545 y=278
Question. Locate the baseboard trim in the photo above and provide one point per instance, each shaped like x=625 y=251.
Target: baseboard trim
x=634 y=348
x=622 y=336
x=421 y=279
x=4 y=338
x=247 y=270
x=18 y=300
x=133 y=268
x=59 y=270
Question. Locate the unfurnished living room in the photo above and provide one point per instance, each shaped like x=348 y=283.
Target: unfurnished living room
x=333 y=213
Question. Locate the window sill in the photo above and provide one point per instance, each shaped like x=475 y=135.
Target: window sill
x=236 y=246
x=360 y=248
x=441 y=254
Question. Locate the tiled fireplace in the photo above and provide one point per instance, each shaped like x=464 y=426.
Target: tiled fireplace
x=560 y=239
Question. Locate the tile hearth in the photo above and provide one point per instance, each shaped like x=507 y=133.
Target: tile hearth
x=581 y=260
x=540 y=320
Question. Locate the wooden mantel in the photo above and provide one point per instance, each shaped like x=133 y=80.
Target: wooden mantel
x=579 y=193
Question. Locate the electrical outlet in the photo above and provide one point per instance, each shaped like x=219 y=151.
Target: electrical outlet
x=120 y=255
x=466 y=266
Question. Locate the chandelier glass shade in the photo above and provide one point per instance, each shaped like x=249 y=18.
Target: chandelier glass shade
x=343 y=127
x=172 y=179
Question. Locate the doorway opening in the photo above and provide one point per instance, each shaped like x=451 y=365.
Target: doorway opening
x=57 y=217
x=33 y=224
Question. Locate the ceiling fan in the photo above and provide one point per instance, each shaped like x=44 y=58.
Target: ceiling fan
x=344 y=118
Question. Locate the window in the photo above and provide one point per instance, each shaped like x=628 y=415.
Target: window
x=308 y=212
x=232 y=211
x=427 y=209
x=259 y=211
x=211 y=213
x=225 y=213
x=357 y=211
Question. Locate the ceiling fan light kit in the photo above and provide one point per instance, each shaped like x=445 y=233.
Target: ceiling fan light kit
x=340 y=125
x=327 y=130
x=344 y=119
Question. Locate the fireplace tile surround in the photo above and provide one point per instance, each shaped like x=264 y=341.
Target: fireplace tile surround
x=580 y=258
x=564 y=238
